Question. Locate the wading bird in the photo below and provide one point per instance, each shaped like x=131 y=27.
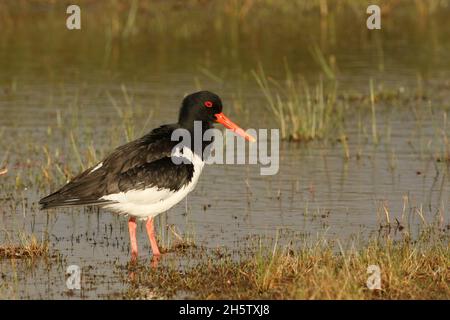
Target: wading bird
x=139 y=179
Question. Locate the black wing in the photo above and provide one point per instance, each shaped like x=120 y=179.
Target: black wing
x=135 y=165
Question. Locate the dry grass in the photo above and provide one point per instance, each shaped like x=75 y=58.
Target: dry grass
x=29 y=247
x=409 y=270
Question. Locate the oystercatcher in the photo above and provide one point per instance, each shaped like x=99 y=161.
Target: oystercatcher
x=140 y=179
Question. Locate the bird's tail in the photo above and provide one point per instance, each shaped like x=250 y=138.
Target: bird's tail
x=57 y=200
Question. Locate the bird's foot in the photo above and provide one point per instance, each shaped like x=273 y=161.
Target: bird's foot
x=155 y=261
x=134 y=257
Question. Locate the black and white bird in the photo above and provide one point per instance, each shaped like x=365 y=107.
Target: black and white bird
x=140 y=179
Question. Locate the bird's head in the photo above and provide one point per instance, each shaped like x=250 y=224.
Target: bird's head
x=207 y=107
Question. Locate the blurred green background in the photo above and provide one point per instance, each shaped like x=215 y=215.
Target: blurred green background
x=224 y=38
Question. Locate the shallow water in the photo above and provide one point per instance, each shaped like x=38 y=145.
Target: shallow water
x=45 y=97
x=317 y=192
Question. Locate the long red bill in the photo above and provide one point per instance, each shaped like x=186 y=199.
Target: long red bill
x=227 y=123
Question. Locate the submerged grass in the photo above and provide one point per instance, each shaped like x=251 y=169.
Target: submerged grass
x=305 y=112
x=408 y=270
x=171 y=239
x=302 y=112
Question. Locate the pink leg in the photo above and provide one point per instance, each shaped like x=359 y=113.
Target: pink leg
x=151 y=236
x=132 y=229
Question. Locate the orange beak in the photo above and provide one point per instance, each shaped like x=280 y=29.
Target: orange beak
x=227 y=123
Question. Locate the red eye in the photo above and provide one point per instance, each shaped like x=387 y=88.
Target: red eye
x=208 y=104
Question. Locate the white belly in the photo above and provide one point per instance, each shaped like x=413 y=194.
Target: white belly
x=150 y=202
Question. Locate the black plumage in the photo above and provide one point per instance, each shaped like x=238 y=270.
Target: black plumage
x=145 y=162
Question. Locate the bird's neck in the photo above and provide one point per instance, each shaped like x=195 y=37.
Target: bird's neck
x=196 y=126
x=197 y=132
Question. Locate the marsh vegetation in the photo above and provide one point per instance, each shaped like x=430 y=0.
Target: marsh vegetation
x=321 y=270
